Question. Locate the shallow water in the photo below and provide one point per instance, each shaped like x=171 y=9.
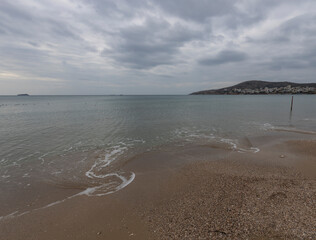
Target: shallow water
x=80 y=142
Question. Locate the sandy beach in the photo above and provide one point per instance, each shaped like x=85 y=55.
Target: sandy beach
x=192 y=192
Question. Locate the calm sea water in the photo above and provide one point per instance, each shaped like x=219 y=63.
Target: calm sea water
x=81 y=139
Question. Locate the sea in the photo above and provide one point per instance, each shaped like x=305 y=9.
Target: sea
x=80 y=143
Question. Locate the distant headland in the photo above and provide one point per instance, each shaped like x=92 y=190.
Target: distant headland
x=254 y=87
x=23 y=95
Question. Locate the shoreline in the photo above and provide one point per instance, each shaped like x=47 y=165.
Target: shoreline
x=174 y=194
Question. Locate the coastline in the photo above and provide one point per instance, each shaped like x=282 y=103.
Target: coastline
x=206 y=191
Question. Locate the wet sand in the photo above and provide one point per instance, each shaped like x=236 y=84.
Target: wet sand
x=193 y=192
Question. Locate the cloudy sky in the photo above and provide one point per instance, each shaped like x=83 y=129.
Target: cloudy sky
x=153 y=46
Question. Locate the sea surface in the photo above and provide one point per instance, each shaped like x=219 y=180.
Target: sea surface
x=81 y=142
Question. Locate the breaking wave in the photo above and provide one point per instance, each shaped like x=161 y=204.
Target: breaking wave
x=233 y=144
x=270 y=127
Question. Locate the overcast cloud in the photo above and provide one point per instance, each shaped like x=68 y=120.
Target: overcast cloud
x=153 y=46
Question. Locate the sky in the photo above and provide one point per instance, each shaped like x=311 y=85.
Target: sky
x=153 y=46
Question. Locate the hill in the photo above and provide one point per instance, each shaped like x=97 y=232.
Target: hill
x=263 y=87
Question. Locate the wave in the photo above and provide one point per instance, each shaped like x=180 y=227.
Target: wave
x=310 y=119
x=104 y=189
x=270 y=127
x=102 y=183
x=194 y=135
x=91 y=191
x=234 y=146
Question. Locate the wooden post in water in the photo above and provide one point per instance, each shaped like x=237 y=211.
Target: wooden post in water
x=292 y=104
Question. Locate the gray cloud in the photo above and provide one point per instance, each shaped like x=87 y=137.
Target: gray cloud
x=225 y=56
x=152 y=44
x=121 y=46
x=292 y=44
x=303 y=60
x=301 y=27
x=190 y=10
x=14 y=11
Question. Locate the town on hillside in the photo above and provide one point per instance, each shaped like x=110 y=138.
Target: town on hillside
x=276 y=90
x=262 y=87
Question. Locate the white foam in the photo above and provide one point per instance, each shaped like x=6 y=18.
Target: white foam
x=88 y=192
x=234 y=146
x=294 y=130
x=309 y=119
x=103 y=163
x=120 y=182
x=92 y=190
x=250 y=150
x=193 y=135
x=26 y=175
x=268 y=126
x=8 y=216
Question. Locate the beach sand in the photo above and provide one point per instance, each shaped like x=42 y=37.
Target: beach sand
x=196 y=192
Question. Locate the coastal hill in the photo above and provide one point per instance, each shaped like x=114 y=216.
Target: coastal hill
x=263 y=87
